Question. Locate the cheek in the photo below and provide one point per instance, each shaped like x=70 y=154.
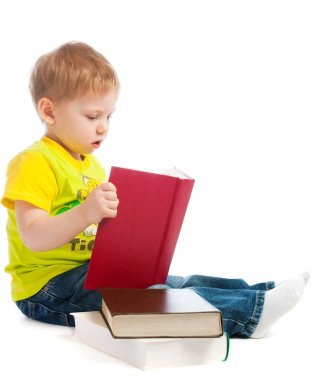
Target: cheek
x=83 y=128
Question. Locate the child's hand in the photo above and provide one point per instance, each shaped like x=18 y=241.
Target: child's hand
x=42 y=232
x=101 y=203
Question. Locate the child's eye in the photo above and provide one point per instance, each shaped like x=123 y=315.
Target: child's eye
x=92 y=117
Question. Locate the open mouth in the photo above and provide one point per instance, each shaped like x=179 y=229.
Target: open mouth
x=96 y=144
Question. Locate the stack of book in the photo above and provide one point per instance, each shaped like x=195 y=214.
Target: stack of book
x=152 y=328
x=147 y=328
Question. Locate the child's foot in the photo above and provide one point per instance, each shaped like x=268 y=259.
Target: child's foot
x=279 y=301
x=305 y=275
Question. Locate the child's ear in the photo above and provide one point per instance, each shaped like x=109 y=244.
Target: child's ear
x=45 y=109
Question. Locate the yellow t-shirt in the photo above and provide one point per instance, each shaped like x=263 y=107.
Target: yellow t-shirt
x=48 y=177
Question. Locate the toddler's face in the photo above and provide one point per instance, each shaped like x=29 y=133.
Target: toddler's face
x=81 y=125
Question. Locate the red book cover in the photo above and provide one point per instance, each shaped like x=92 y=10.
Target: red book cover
x=135 y=249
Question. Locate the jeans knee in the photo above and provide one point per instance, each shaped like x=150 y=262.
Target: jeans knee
x=41 y=313
x=194 y=280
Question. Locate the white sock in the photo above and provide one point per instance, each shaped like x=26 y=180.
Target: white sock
x=278 y=301
x=305 y=275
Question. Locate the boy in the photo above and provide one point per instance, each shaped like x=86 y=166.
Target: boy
x=56 y=194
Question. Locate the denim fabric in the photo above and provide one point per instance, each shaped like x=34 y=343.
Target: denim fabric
x=241 y=305
x=62 y=295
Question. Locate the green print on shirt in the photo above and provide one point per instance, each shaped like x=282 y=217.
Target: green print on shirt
x=68 y=206
x=79 y=243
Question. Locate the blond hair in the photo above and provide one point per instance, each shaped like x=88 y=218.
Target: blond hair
x=69 y=71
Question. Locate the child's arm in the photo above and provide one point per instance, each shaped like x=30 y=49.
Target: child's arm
x=42 y=232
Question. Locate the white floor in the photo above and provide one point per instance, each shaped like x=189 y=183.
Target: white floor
x=221 y=89
x=31 y=350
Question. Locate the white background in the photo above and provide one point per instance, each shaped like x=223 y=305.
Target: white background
x=222 y=89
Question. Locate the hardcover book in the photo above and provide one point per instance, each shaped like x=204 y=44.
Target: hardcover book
x=150 y=313
x=135 y=249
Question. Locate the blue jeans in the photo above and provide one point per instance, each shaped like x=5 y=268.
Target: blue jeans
x=241 y=305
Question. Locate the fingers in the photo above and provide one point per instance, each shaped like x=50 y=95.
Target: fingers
x=102 y=202
x=110 y=195
x=112 y=205
x=110 y=191
x=107 y=186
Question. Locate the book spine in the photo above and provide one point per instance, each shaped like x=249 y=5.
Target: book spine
x=176 y=214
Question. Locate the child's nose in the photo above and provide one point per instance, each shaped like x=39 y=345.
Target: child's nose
x=102 y=128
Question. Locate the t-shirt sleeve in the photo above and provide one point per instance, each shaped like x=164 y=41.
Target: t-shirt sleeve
x=30 y=178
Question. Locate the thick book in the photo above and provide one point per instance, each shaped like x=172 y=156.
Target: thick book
x=135 y=249
x=160 y=313
x=149 y=353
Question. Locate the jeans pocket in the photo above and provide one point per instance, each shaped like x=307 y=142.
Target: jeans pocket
x=40 y=312
x=66 y=284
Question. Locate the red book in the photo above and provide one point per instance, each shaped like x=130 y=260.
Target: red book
x=135 y=249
